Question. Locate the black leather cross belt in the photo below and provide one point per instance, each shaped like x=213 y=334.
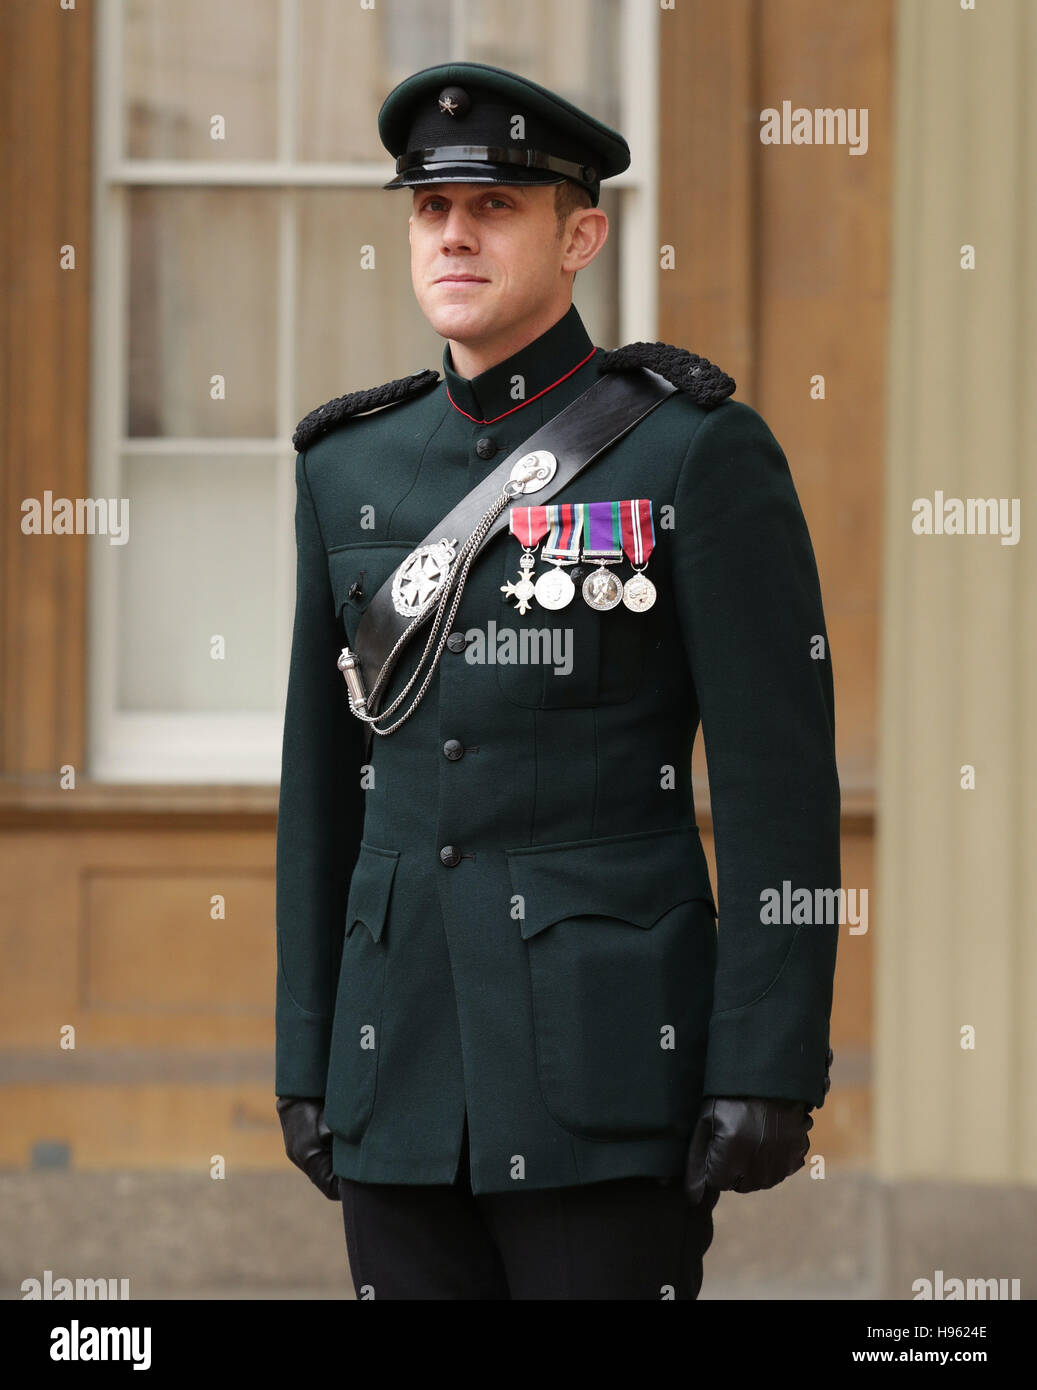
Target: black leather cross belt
x=576 y=436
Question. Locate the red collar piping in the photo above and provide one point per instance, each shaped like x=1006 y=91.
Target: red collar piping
x=521 y=403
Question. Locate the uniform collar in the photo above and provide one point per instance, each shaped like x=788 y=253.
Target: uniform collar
x=543 y=363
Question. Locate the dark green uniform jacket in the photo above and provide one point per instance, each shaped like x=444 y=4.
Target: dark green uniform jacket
x=564 y=981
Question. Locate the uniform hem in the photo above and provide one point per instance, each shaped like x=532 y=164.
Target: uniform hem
x=592 y=1161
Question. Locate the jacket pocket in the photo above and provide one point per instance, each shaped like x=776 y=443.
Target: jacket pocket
x=567 y=657
x=621 y=945
x=356 y=1032
x=358 y=571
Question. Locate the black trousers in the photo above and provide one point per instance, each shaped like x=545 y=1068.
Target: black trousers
x=629 y=1238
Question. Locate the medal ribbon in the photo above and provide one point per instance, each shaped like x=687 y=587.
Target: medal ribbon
x=529 y=524
x=638 y=530
x=566 y=527
x=603 y=529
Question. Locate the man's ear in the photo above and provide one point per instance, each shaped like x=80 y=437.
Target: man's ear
x=585 y=238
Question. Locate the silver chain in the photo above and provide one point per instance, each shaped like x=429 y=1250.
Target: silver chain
x=457 y=575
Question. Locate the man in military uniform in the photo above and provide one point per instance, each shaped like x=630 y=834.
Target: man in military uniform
x=512 y=1035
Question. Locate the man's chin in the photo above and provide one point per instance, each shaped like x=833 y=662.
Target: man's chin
x=458 y=321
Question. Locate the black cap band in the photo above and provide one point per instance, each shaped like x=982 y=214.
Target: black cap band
x=491 y=154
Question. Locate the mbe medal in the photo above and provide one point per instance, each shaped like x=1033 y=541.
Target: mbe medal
x=529 y=524
x=638 y=530
x=554 y=589
x=602 y=590
x=420 y=576
x=522 y=588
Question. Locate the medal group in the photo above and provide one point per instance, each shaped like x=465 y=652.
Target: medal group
x=575 y=533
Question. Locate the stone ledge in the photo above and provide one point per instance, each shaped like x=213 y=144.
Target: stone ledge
x=273 y=1236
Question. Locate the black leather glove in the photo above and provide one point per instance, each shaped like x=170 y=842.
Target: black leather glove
x=307 y=1140
x=744 y=1144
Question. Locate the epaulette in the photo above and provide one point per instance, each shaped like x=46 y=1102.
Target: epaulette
x=698 y=378
x=311 y=427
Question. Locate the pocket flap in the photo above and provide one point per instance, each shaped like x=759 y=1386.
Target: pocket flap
x=635 y=878
x=358 y=571
x=370 y=888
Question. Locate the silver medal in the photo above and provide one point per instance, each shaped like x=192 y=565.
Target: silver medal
x=638 y=593
x=602 y=590
x=554 y=589
x=421 y=575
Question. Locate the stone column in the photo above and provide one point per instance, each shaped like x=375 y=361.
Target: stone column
x=957 y=868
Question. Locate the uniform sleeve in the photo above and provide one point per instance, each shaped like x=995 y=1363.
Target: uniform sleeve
x=749 y=605
x=319 y=818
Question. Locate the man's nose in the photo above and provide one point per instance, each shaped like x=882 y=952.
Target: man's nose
x=458 y=229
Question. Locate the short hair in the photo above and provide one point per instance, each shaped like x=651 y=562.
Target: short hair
x=569 y=196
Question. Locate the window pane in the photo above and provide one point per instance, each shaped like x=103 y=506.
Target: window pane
x=350 y=59
x=571 y=48
x=199 y=563
x=202 y=302
x=190 y=61
x=356 y=328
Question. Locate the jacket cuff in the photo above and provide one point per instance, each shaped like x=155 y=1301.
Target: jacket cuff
x=303 y=1049
x=794 y=1065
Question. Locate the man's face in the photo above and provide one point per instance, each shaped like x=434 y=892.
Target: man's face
x=485 y=257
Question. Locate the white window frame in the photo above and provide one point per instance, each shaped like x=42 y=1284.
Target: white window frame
x=219 y=748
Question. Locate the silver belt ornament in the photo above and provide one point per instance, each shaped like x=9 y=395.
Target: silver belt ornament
x=424 y=582
x=420 y=576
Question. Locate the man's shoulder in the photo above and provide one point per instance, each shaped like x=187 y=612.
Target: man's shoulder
x=341 y=409
x=698 y=381
x=700 y=384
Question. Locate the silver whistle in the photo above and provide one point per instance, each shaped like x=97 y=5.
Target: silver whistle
x=349 y=665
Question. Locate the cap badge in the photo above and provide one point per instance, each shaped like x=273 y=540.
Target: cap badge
x=454 y=101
